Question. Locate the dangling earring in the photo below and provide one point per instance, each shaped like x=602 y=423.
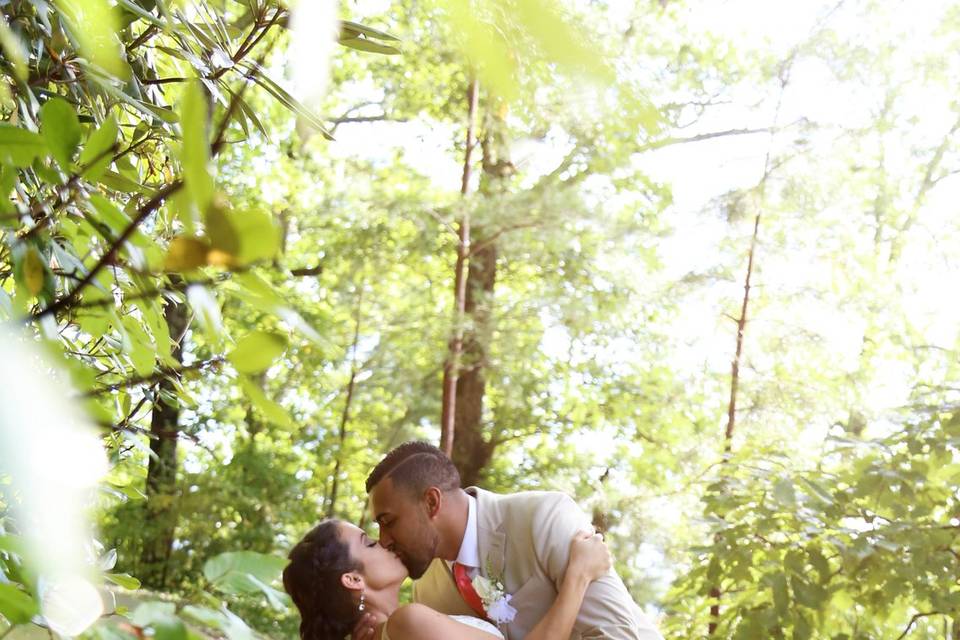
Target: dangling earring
x=363 y=604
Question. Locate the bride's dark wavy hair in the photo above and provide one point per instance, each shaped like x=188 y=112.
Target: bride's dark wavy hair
x=312 y=579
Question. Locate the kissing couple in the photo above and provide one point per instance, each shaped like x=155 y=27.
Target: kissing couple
x=522 y=566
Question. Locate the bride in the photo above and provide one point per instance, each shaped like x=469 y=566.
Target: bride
x=337 y=574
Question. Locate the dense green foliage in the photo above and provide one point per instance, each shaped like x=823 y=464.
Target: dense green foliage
x=214 y=271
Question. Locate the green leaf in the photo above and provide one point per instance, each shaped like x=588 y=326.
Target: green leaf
x=16 y=545
x=236 y=583
x=362 y=44
x=110 y=214
x=807 y=595
x=97 y=154
x=14 y=51
x=279 y=600
x=61 y=130
x=820 y=563
x=152 y=313
x=123 y=184
x=124 y=580
x=6 y=305
x=186 y=254
x=19 y=147
x=220 y=231
x=258 y=233
x=487 y=48
x=195 y=151
x=149 y=109
x=235 y=627
x=15 y=605
x=161 y=618
x=784 y=493
x=270 y=409
x=133 y=493
x=250 y=115
x=34 y=271
x=8 y=180
x=561 y=42
x=257 y=292
x=147 y=612
x=801 y=628
x=94 y=24
x=223 y=620
x=257 y=351
x=818 y=491
x=793 y=562
x=203 y=615
x=142 y=352
x=135 y=8
x=350 y=29
x=781 y=595
x=206 y=309
x=258 y=75
x=239 y=583
x=264 y=567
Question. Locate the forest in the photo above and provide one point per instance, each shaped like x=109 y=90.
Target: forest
x=688 y=261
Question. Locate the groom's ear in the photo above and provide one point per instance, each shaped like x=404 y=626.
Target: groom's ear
x=352 y=581
x=433 y=498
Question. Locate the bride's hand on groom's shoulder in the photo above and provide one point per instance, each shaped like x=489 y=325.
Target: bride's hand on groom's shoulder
x=366 y=627
x=589 y=556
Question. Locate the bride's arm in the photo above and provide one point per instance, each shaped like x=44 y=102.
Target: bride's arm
x=589 y=559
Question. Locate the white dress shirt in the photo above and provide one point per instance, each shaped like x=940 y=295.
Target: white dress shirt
x=469 y=555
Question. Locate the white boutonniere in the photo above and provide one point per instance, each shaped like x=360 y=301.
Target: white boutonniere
x=496 y=601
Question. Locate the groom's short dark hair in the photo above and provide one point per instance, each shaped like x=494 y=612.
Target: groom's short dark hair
x=415 y=466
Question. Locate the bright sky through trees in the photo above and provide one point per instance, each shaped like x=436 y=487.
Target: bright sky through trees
x=690 y=261
x=700 y=172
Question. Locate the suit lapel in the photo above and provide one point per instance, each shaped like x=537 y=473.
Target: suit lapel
x=490 y=537
x=493 y=560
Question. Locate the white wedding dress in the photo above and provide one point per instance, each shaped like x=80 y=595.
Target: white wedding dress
x=470 y=621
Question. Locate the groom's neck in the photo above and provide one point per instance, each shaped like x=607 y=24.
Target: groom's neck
x=453 y=524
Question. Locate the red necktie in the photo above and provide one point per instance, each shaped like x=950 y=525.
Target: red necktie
x=465 y=587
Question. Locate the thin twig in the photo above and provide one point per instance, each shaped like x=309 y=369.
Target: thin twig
x=152 y=378
x=142 y=214
x=914 y=620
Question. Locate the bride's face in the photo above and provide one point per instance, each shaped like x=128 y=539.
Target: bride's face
x=381 y=568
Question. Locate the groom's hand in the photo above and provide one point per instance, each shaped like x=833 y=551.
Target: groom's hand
x=364 y=628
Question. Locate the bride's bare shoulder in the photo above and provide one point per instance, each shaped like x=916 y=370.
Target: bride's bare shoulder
x=420 y=622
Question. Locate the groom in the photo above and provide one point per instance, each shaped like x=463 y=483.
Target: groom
x=446 y=535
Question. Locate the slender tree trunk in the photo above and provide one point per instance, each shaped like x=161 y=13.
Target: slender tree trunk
x=451 y=368
x=251 y=503
x=471 y=453
x=741 y=325
x=347 y=404
x=160 y=508
x=715 y=592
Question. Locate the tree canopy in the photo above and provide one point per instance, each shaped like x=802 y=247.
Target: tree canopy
x=687 y=261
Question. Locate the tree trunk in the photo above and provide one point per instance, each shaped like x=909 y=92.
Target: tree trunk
x=451 y=368
x=347 y=405
x=471 y=453
x=160 y=508
x=715 y=592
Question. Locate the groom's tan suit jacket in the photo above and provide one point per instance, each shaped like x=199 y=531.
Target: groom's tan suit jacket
x=524 y=541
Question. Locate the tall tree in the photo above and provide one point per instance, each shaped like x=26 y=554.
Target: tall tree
x=161 y=506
